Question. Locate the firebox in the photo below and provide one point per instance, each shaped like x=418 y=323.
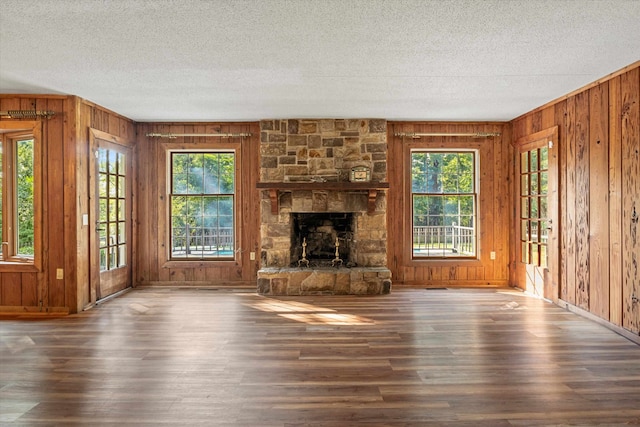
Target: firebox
x=321 y=234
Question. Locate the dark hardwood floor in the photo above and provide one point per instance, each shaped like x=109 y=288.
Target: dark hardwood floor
x=416 y=357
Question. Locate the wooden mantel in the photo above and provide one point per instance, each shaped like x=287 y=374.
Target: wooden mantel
x=371 y=187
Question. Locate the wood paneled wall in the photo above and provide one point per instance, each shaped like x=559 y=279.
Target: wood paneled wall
x=65 y=198
x=599 y=137
x=153 y=266
x=496 y=160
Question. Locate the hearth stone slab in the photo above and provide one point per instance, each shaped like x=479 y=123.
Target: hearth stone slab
x=324 y=281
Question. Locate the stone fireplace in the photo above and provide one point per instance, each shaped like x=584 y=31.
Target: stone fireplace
x=307 y=197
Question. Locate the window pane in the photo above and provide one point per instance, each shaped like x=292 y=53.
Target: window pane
x=227 y=178
x=103 y=259
x=102 y=160
x=194 y=207
x=534 y=231
x=121 y=164
x=179 y=165
x=544 y=158
x=434 y=179
x=122 y=255
x=113 y=210
x=122 y=233
x=121 y=187
x=195 y=174
x=524 y=207
x=534 y=160
x=419 y=172
x=466 y=175
x=211 y=173
x=121 y=209
x=543 y=182
x=533 y=201
x=524 y=162
x=533 y=189
x=225 y=205
x=103 y=210
x=102 y=233
x=210 y=206
x=543 y=207
x=112 y=161
x=113 y=186
x=102 y=185
x=535 y=254
x=179 y=206
x=524 y=185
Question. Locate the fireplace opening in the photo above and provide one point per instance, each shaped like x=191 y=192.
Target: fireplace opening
x=320 y=232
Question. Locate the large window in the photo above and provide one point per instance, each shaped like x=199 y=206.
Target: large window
x=202 y=205
x=444 y=197
x=17 y=212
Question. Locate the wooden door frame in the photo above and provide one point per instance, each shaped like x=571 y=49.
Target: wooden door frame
x=94 y=269
x=552 y=271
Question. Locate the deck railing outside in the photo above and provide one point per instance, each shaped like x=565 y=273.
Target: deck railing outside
x=450 y=240
x=211 y=241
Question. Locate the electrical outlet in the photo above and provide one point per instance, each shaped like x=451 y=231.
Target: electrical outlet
x=492 y=255
x=252 y=256
x=59 y=274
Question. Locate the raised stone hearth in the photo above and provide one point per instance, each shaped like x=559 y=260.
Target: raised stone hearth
x=317 y=151
x=324 y=280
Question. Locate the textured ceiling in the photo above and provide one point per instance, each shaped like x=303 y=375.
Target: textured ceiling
x=224 y=60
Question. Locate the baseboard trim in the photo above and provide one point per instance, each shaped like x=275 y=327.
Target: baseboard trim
x=615 y=328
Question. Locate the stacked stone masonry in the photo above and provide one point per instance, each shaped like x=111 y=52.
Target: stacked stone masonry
x=325 y=150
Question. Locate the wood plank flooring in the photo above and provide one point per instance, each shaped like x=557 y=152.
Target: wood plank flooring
x=416 y=357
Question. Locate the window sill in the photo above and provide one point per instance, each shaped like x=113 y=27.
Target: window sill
x=18 y=267
x=446 y=261
x=196 y=263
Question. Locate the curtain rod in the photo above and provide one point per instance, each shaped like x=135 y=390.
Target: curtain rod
x=177 y=135
x=27 y=114
x=472 y=135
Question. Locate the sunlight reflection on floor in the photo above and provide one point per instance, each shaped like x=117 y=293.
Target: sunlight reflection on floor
x=308 y=313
